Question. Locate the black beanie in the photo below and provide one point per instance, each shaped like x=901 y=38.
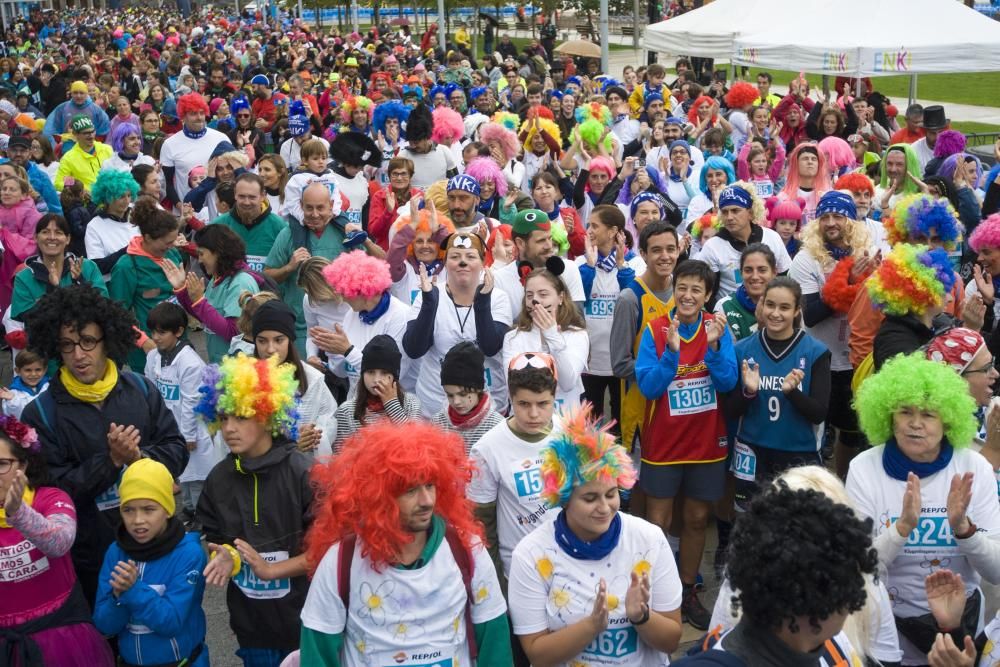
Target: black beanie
x=274 y=316
x=462 y=366
x=381 y=353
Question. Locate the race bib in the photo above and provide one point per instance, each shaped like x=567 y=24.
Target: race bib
x=256 y=263
x=169 y=392
x=351 y=371
x=691 y=396
x=354 y=215
x=764 y=188
x=16 y=563
x=932 y=533
x=416 y=659
x=613 y=645
x=257 y=589
x=139 y=629
x=600 y=309
x=744 y=465
x=527 y=480
x=488 y=376
x=109 y=499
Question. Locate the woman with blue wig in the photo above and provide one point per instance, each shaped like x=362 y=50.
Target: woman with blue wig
x=126 y=141
x=716 y=174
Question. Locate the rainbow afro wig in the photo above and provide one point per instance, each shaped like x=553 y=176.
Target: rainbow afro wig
x=916 y=216
x=112 y=184
x=351 y=104
x=486 y=170
x=594 y=111
x=584 y=451
x=358 y=274
x=508 y=120
x=250 y=388
x=448 y=126
x=709 y=220
x=493 y=132
x=911 y=279
x=912 y=381
x=545 y=125
x=986 y=234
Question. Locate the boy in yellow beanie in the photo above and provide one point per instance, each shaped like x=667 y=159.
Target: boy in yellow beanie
x=151 y=585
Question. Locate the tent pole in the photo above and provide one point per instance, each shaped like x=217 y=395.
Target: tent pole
x=826 y=85
x=604 y=37
x=913 y=89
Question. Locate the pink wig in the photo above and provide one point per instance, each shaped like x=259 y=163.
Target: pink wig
x=494 y=132
x=948 y=143
x=820 y=184
x=486 y=170
x=986 y=234
x=790 y=209
x=601 y=163
x=191 y=102
x=838 y=153
x=693 y=113
x=358 y=274
x=448 y=126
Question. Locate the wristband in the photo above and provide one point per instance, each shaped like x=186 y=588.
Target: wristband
x=969 y=533
x=235 y=555
x=642 y=619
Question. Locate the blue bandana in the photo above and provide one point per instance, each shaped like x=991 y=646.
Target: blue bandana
x=735 y=196
x=645 y=196
x=898 y=466
x=837 y=202
x=371 y=316
x=465 y=183
x=580 y=550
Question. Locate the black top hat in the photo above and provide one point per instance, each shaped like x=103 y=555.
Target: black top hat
x=934 y=118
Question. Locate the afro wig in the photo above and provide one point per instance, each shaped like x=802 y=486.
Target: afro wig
x=948 y=143
x=787 y=569
x=584 y=451
x=741 y=94
x=356 y=490
x=77 y=306
x=191 y=102
x=708 y=221
x=594 y=111
x=250 y=388
x=917 y=216
x=351 y=104
x=912 y=381
x=122 y=132
x=591 y=130
x=544 y=125
x=855 y=182
x=986 y=234
x=496 y=133
x=448 y=126
x=507 y=120
x=420 y=123
x=423 y=226
x=911 y=279
x=112 y=184
x=358 y=274
x=486 y=170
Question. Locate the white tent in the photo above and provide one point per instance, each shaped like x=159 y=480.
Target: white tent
x=866 y=38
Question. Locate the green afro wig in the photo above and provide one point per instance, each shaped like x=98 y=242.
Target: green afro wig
x=112 y=184
x=914 y=381
x=591 y=131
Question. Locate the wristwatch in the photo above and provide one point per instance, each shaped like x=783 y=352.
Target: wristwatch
x=643 y=619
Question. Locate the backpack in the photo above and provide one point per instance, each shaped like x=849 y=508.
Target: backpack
x=459 y=552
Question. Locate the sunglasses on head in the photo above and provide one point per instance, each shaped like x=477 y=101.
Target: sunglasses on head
x=538 y=360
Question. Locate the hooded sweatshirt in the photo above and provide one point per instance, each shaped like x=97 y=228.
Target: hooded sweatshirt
x=21 y=218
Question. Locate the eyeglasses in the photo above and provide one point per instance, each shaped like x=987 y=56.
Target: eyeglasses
x=242 y=115
x=6 y=465
x=399 y=174
x=86 y=343
x=986 y=368
x=534 y=360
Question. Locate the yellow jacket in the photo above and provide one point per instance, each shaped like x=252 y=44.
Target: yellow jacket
x=82 y=166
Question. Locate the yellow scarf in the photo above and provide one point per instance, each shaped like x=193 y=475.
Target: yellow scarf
x=90 y=393
x=27 y=498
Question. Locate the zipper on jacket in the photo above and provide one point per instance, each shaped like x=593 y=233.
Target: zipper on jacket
x=256 y=517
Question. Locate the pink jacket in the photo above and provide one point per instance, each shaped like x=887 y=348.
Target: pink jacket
x=21 y=218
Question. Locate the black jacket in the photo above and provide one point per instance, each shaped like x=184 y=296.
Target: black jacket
x=74 y=439
x=267 y=502
x=903 y=335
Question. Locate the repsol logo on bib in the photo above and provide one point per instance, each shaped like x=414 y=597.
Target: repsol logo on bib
x=403 y=656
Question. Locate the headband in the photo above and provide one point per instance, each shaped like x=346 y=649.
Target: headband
x=465 y=183
x=464 y=241
x=735 y=196
x=838 y=203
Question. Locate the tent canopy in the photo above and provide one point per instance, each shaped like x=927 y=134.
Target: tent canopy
x=826 y=37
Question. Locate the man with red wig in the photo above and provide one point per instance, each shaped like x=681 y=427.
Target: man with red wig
x=189 y=148
x=400 y=573
x=862 y=191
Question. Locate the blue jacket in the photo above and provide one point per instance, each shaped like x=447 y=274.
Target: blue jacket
x=159 y=620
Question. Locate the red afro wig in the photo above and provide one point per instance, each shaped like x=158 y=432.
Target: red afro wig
x=855 y=182
x=448 y=126
x=693 y=113
x=358 y=274
x=191 y=102
x=357 y=491
x=741 y=94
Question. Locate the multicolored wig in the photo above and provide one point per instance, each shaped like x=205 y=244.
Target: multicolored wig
x=986 y=234
x=356 y=490
x=709 y=220
x=594 y=111
x=545 y=125
x=486 y=170
x=122 y=132
x=911 y=381
x=507 y=120
x=911 y=279
x=390 y=109
x=112 y=184
x=358 y=274
x=584 y=451
x=251 y=388
x=423 y=226
x=716 y=163
x=448 y=126
x=495 y=132
x=855 y=182
x=916 y=216
x=741 y=94
x=353 y=103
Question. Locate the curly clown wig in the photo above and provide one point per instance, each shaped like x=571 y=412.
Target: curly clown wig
x=948 y=143
x=358 y=274
x=250 y=388
x=545 y=125
x=855 y=182
x=77 y=306
x=594 y=111
x=584 y=451
x=112 y=184
x=509 y=121
x=390 y=109
x=351 y=104
x=357 y=490
x=496 y=133
x=486 y=170
x=741 y=94
x=423 y=227
x=448 y=126
x=986 y=234
x=591 y=131
x=191 y=102
x=709 y=220
x=917 y=216
x=912 y=381
x=911 y=279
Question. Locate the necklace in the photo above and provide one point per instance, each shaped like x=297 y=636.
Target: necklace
x=461 y=322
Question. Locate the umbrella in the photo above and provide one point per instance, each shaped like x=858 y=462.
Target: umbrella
x=489 y=18
x=402 y=20
x=579 y=47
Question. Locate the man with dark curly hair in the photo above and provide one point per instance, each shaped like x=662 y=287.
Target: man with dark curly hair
x=799 y=562
x=93 y=420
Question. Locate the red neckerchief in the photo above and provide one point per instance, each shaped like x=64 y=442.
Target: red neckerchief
x=474 y=417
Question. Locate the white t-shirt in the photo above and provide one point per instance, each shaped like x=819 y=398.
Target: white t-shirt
x=392 y=323
x=322 y=314
x=835 y=330
x=570 y=350
x=599 y=312
x=291 y=151
x=931 y=545
x=105 y=236
x=508 y=280
x=551 y=590
x=876 y=232
x=724 y=259
x=356 y=191
x=508 y=472
x=429 y=167
x=400 y=616
x=184 y=154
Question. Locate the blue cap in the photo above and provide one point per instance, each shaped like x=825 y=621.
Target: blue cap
x=260 y=80
x=298 y=125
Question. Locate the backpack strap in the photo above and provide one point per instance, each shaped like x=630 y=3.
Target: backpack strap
x=47 y=406
x=344 y=559
x=139 y=380
x=466 y=566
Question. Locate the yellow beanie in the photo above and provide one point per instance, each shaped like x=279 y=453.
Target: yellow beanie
x=149 y=480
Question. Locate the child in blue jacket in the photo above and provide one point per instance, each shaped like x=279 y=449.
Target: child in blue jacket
x=151 y=584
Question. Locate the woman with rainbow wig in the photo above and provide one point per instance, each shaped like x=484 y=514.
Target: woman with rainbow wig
x=910 y=287
x=594 y=576
x=931 y=498
x=356 y=115
x=256 y=504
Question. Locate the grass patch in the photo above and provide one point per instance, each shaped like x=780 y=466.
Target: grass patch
x=979 y=89
x=521 y=42
x=974 y=128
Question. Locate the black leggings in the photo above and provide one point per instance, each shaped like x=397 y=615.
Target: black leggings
x=594 y=388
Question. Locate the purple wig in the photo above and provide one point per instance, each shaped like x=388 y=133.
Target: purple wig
x=947 y=168
x=948 y=143
x=486 y=170
x=656 y=182
x=121 y=132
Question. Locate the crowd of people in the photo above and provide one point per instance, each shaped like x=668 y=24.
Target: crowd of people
x=433 y=359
